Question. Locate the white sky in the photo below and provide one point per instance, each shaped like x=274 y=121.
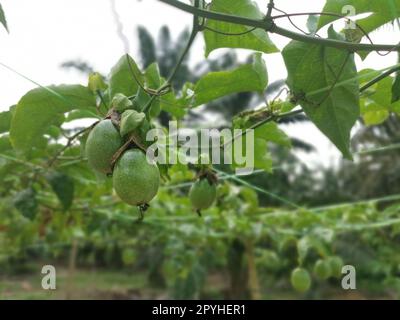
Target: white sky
x=46 y=33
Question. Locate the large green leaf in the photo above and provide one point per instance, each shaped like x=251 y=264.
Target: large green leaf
x=256 y=40
x=272 y=133
x=42 y=107
x=249 y=77
x=124 y=77
x=3 y=20
x=383 y=11
x=312 y=72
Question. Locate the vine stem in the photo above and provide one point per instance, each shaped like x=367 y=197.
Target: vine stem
x=195 y=31
x=69 y=143
x=270 y=26
x=379 y=78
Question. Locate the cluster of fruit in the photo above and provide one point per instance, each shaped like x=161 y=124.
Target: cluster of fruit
x=135 y=179
x=323 y=270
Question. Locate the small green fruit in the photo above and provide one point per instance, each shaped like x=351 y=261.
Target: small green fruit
x=103 y=142
x=336 y=264
x=135 y=180
x=202 y=194
x=301 y=280
x=322 y=269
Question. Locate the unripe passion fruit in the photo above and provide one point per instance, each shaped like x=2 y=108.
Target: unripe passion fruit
x=322 y=269
x=202 y=194
x=103 y=142
x=336 y=264
x=300 y=279
x=135 y=180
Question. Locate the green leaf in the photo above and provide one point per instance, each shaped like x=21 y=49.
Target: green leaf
x=376 y=104
x=124 y=77
x=131 y=120
x=312 y=72
x=258 y=150
x=383 y=11
x=121 y=102
x=373 y=114
x=5 y=144
x=169 y=103
x=81 y=114
x=42 y=107
x=396 y=89
x=249 y=77
x=272 y=133
x=262 y=157
x=255 y=40
x=5 y=121
x=26 y=203
x=96 y=82
x=63 y=187
x=153 y=81
x=3 y=20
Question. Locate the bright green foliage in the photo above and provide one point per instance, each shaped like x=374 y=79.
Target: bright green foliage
x=301 y=280
x=322 y=269
x=202 y=194
x=43 y=107
x=313 y=70
x=135 y=180
x=103 y=142
x=250 y=77
x=383 y=11
x=376 y=104
x=124 y=77
x=256 y=40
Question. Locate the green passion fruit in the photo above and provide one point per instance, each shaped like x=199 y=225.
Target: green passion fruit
x=102 y=143
x=136 y=181
x=322 y=269
x=301 y=280
x=202 y=194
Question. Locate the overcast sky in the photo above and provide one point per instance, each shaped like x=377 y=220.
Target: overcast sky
x=45 y=33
